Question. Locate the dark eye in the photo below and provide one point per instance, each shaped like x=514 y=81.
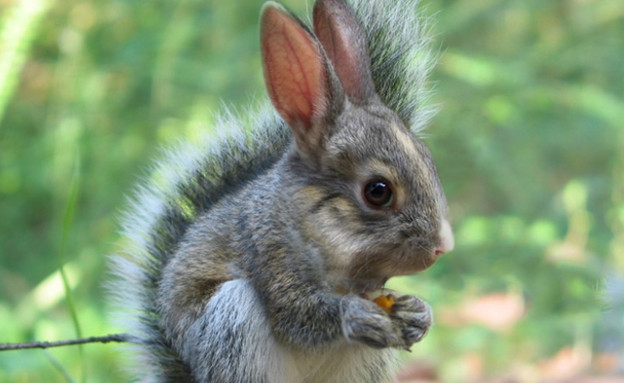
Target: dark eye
x=378 y=193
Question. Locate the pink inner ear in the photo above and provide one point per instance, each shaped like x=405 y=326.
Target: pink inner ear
x=339 y=51
x=294 y=72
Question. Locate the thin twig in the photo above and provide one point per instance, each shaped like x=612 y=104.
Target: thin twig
x=94 y=339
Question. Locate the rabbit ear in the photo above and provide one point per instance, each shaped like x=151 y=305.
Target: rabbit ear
x=298 y=76
x=344 y=41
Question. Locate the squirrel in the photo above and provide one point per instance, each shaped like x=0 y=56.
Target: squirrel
x=254 y=256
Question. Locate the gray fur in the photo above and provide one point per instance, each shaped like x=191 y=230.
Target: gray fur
x=244 y=259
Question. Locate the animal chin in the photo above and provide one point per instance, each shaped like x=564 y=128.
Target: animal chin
x=365 y=285
x=371 y=272
x=418 y=264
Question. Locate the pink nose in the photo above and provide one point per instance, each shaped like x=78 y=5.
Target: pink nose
x=447 y=241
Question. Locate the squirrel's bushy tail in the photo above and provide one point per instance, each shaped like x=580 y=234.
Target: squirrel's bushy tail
x=187 y=182
x=193 y=177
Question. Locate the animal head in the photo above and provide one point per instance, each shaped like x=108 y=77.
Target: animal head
x=368 y=190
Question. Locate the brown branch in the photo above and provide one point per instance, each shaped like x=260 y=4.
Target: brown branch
x=94 y=339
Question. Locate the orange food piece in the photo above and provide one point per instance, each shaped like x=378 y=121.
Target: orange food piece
x=385 y=302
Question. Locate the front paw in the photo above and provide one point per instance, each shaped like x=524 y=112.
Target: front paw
x=413 y=316
x=363 y=321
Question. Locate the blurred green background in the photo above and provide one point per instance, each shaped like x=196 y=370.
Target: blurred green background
x=529 y=142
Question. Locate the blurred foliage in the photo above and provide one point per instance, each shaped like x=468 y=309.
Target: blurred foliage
x=529 y=143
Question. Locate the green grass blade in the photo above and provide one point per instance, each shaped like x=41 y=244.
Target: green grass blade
x=68 y=218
